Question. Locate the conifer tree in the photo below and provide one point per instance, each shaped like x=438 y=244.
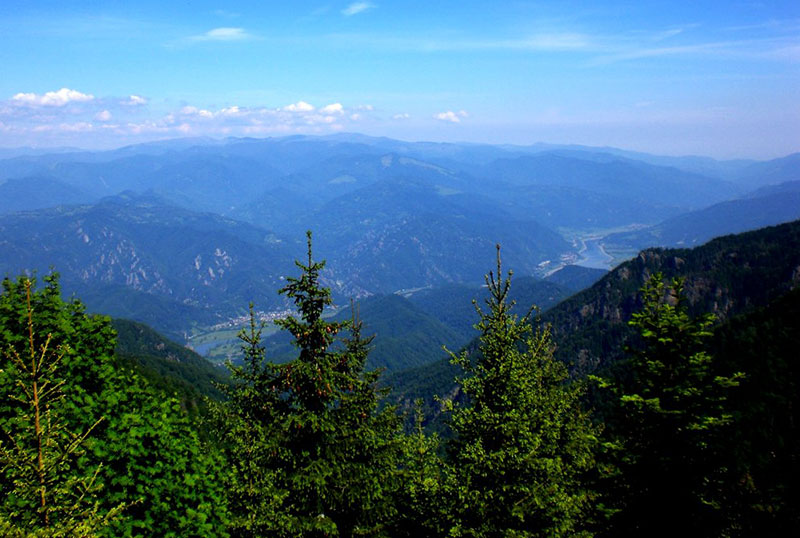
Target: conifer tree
x=44 y=493
x=667 y=421
x=521 y=442
x=421 y=502
x=152 y=460
x=321 y=458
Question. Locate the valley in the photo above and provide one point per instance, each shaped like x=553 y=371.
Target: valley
x=184 y=236
x=374 y=269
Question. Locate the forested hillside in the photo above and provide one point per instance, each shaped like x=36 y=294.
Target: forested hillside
x=380 y=269
x=728 y=276
x=689 y=412
x=182 y=234
x=365 y=395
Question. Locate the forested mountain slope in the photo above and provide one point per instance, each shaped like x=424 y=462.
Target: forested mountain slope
x=728 y=276
x=166 y=364
x=153 y=257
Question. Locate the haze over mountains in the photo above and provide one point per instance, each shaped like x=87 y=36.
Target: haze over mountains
x=188 y=232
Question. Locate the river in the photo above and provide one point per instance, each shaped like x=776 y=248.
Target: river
x=593 y=255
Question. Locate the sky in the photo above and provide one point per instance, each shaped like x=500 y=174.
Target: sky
x=720 y=79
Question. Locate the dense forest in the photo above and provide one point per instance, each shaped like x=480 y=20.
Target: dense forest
x=660 y=400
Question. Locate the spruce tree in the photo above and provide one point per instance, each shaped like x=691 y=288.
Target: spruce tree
x=521 y=441
x=44 y=493
x=667 y=422
x=319 y=457
x=152 y=460
x=421 y=502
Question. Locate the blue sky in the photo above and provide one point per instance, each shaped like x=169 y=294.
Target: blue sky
x=710 y=78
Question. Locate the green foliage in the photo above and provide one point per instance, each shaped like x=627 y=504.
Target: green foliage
x=152 y=460
x=727 y=276
x=522 y=443
x=43 y=492
x=452 y=304
x=168 y=366
x=421 y=503
x=669 y=415
x=762 y=446
x=309 y=451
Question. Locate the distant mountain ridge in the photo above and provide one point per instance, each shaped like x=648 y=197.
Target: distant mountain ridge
x=189 y=231
x=766 y=206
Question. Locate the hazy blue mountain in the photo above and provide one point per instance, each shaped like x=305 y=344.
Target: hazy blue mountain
x=735 y=216
x=770 y=172
x=10 y=153
x=210 y=183
x=402 y=234
x=696 y=164
x=635 y=181
x=464 y=157
x=37 y=193
x=386 y=214
x=143 y=244
x=279 y=182
x=296 y=200
x=780 y=188
x=578 y=209
x=460 y=156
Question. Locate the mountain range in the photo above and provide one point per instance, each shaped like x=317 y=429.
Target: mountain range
x=185 y=233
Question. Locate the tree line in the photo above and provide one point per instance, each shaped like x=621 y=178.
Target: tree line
x=310 y=447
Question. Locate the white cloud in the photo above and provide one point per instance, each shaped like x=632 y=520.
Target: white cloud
x=223 y=34
x=57 y=98
x=333 y=108
x=452 y=117
x=230 y=111
x=300 y=106
x=117 y=118
x=77 y=127
x=403 y=116
x=357 y=7
x=134 y=100
x=194 y=111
